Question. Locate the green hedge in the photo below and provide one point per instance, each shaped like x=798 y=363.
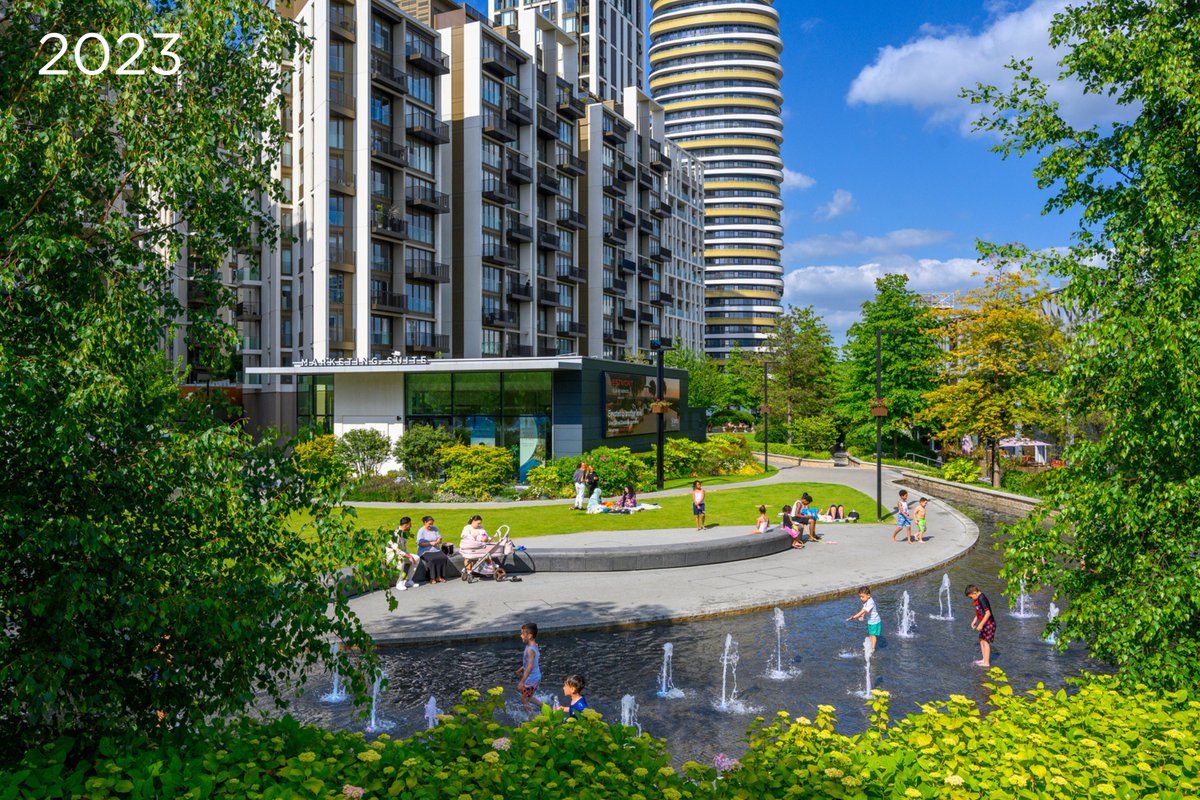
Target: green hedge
x=474 y=472
x=1104 y=740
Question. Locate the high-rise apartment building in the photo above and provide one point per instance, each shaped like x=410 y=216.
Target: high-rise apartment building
x=714 y=67
x=611 y=43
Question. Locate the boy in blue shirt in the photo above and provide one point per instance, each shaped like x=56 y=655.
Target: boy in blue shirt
x=573 y=689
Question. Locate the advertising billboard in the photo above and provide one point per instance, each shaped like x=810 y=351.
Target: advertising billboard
x=627 y=400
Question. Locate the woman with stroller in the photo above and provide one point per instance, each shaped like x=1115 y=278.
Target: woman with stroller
x=476 y=544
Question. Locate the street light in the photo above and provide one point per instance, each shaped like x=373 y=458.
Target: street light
x=766 y=413
x=879 y=411
x=660 y=346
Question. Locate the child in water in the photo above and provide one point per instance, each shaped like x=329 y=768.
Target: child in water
x=573 y=689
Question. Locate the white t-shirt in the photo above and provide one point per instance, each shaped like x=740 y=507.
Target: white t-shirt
x=872 y=611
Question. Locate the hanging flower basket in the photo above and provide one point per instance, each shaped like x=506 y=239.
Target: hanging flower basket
x=660 y=406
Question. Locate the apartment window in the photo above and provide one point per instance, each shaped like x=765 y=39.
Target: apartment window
x=420 y=298
x=493 y=91
x=381 y=110
x=566 y=132
x=491 y=280
x=490 y=343
x=420 y=156
x=381 y=34
x=493 y=154
x=337 y=57
x=381 y=331
x=381 y=256
x=337 y=210
x=420 y=86
x=337 y=134
x=420 y=227
x=419 y=328
x=381 y=183
x=285 y=259
x=337 y=327
x=493 y=217
x=285 y=332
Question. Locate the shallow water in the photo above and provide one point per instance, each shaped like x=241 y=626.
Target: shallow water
x=823 y=654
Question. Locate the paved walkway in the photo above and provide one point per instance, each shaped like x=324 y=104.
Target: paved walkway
x=855 y=554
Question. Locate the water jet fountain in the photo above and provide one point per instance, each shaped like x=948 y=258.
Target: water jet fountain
x=944 y=612
x=337 y=694
x=1050 y=615
x=666 y=688
x=629 y=709
x=906 y=619
x=1021 y=611
x=431 y=712
x=777 y=671
x=377 y=724
x=867 y=651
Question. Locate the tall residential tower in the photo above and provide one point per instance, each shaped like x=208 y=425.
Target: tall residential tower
x=714 y=67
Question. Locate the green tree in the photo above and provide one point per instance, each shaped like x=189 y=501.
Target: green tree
x=1121 y=525
x=907 y=362
x=1002 y=351
x=148 y=563
x=740 y=385
x=363 y=450
x=704 y=376
x=800 y=357
x=417 y=448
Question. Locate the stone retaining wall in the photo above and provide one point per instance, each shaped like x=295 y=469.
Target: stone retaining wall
x=1003 y=502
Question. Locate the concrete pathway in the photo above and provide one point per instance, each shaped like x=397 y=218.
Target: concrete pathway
x=578 y=601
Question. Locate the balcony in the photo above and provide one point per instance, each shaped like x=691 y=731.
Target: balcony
x=518 y=113
x=548 y=238
x=387 y=75
x=500 y=254
x=519 y=292
x=659 y=160
x=417 y=342
x=572 y=273
x=498 y=61
x=628 y=218
x=614 y=185
x=629 y=314
x=502 y=318
x=615 y=133
x=388 y=224
x=658 y=252
x=389 y=303
x=519 y=232
x=628 y=266
x=427 y=199
x=498 y=191
x=571 y=328
x=568 y=162
x=519 y=351
x=656 y=299
x=341 y=24
x=616 y=285
x=626 y=170
x=547 y=126
x=666 y=297
x=665 y=252
x=341 y=258
x=424 y=126
x=657 y=207
x=620 y=335
x=520 y=172
x=646 y=225
x=248 y=311
x=341 y=103
x=249 y=343
x=426 y=268
x=498 y=128
x=547 y=181
x=389 y=151
x=548 y=294
x=614 y=235
x=428 y=58
x=571 y=218
x=570 y=106
x=547 y=351
x=645 y=180
x=341 y=180
x=646 y=270
x=645 y=312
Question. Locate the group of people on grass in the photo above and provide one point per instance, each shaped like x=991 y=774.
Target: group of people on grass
x=588 y=497
x=475 y=544
x=800 y=519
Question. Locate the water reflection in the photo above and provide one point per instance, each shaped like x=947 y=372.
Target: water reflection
x=934 y=662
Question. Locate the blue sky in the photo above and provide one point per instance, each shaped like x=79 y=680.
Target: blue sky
x=883 y=172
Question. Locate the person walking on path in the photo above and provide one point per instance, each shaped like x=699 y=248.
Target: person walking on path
x=698 y=504
x=984 y=622
x=530 y=671
x=580 y=479
x=919 y=518
x=871 y=613
x=429 y=550
x=902 y=520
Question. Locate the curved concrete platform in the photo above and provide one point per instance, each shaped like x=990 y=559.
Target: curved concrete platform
x=560 y=602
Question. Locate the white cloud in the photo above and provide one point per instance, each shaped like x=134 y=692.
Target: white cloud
x=929 y=72
x=796 y=180
x=841 y=204
x=850 y=243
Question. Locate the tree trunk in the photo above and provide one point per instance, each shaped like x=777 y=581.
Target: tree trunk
x=996 y=474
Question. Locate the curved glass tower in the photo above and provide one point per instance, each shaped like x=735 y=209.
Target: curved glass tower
x=714 y=67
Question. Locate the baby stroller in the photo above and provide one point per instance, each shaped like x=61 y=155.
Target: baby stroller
x=486 y=559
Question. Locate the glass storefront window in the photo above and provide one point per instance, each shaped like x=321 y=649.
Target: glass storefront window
x=314 y=403
x=477 y=393
x=527 y=393
x=428 y=394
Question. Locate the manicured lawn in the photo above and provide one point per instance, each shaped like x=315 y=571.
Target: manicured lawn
x=718 y=480
x=738 y=506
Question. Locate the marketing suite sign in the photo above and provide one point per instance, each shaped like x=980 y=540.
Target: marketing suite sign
x=627 y=400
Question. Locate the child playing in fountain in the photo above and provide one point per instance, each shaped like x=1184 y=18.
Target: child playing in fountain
x=573 y=689
x=984 y=622
x=919 y=518
x=530 y=670
x=871 y=612
x=902 y=520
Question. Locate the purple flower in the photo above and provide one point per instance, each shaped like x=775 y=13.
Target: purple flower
x=724 y=763
x=352 y=791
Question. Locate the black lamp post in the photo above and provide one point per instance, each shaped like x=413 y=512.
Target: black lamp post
x=879 y=410
x=660 y=346
x=766 y=413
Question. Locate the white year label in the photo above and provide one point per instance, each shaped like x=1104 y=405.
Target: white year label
x=93 y=55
